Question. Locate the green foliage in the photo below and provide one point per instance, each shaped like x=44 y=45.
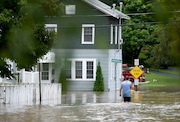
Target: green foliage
x=110 y=2
x=160 y=53
x=52 y=7
x=62 y=79
x=166 y=52
x=23 y=38
x=140 y=34
x=171 y=18
x=99 y=83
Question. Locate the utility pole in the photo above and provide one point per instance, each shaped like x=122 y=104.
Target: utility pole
x=120 y=41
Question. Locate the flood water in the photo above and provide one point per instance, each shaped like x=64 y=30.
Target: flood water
x=161 y=104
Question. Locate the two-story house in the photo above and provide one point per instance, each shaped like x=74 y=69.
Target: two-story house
x=89 y=32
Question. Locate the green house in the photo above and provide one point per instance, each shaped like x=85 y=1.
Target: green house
x=89 y=32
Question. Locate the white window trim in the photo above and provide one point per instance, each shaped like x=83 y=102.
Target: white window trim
x=84 y=69
x=43 y=71
x=93 y=33
x=51 y=26
x=114 y=34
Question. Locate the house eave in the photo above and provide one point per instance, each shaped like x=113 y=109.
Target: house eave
x=106 y=9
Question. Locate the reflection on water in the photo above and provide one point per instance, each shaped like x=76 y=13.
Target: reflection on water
x=77 y=98
x=155 y=104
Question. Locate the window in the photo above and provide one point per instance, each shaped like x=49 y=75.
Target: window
x=89 y=69
x=45 y=71
x=78 y=72
x=70 y=9
x=51 y=27
x=88 y=34
x=82 y=69
x=114 y=34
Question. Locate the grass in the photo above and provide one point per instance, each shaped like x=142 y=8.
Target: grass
x=162 y=80
x=176 y=72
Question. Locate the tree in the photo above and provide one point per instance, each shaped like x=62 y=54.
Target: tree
x=160 y=56
x=167 y=12
x=137 y=34
x=99 y=83
x=23 y=38
x=166 y=52
x=110 y=2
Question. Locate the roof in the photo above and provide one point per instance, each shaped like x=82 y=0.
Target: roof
x=106 y=9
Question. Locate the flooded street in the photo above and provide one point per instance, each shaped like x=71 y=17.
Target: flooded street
x=155 y=104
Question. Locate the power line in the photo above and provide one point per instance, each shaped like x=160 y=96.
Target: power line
x=151 y=23
x=150 y=13
x=126 y=24
x=129 y=14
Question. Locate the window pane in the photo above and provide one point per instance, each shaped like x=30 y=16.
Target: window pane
x=45 y=67
x=90 y=69
x=88 y=30
x=78 y=69
x=88 y=34
x=88 y=38
x=51 y=29
x=45 y=71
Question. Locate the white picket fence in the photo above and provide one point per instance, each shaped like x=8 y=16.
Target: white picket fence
x=28 y=93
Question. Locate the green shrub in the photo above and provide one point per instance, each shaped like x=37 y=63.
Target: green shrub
x=99 y=83
x=62 y=79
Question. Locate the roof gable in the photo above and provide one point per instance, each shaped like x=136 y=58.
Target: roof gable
x=106 y=9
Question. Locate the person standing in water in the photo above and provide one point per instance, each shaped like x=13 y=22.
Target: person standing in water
x=125 y=89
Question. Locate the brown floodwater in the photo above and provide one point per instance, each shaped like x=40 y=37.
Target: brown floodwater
x=159 y=104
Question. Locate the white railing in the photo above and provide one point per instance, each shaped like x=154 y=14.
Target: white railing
x=30 y=93
x=31 y=77
x=28 y=77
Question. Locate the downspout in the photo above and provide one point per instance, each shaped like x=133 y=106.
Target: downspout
x=120 y=28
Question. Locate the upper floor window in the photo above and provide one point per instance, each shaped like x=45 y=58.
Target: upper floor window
x=51 y=27
x=70 y=9
x=88 y=32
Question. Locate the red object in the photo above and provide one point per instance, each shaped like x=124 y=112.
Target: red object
x=126 y=73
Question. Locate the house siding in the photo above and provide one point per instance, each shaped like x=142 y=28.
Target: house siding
x=70 y=27
x=103 y=56
x=74 y=31
x=114 y=84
